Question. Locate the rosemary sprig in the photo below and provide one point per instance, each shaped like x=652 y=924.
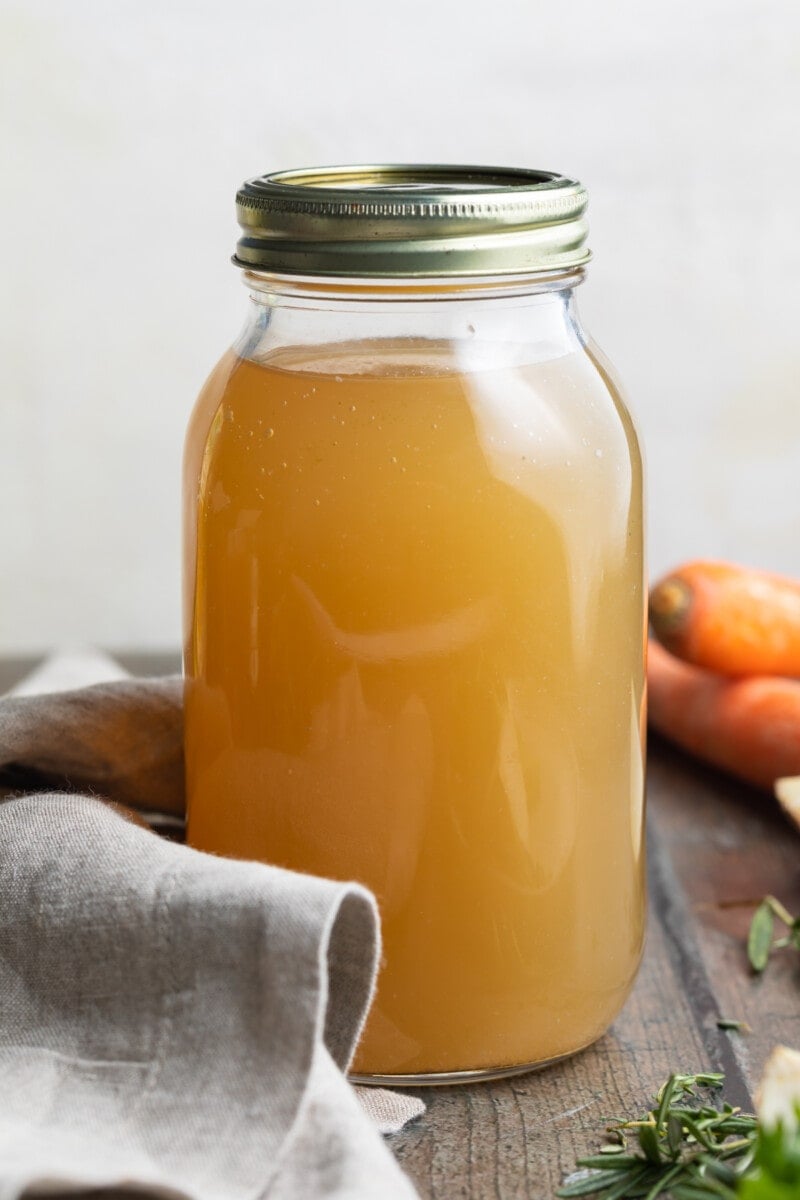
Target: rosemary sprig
x=683 y=1148
x=761 y=941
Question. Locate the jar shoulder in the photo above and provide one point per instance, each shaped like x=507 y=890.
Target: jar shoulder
x=610 y=381
x=204 y=410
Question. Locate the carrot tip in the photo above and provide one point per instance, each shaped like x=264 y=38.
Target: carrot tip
x=670 y=602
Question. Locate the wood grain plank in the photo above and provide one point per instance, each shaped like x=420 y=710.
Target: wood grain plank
x=728 y=846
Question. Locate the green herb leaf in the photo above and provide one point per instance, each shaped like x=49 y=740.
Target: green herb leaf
x=589 y=1185
x=648 y=1140
x=759 y=940
x=674 y=1134
x=603 y=1163
x=665 y=1097
x=661 y=1185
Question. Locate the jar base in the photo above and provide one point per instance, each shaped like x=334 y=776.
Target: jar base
x=451 y=1078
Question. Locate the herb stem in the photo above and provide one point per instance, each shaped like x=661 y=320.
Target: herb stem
x=780 y=912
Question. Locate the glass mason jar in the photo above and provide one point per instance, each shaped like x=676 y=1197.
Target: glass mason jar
x=415 y=603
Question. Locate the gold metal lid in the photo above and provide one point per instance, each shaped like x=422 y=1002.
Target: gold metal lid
x=397 y=221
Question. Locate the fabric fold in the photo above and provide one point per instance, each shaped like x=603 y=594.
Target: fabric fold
x=122 y=740
x=176 y=1022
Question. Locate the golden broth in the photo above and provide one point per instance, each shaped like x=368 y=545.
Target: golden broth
x=414 y=658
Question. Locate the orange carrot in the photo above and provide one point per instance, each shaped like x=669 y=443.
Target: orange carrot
x=749 y=727
x=730 y=619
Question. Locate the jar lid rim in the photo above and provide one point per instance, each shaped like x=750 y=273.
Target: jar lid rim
x=411 y=220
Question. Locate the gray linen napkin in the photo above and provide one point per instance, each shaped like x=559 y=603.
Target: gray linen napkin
x=169 y=1021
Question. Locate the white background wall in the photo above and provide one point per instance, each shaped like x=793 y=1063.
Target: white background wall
x=127 y=125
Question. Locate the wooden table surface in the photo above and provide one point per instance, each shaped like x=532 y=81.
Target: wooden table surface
x=715 y=848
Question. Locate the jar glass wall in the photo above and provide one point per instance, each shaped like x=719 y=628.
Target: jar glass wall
x=414 y=596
